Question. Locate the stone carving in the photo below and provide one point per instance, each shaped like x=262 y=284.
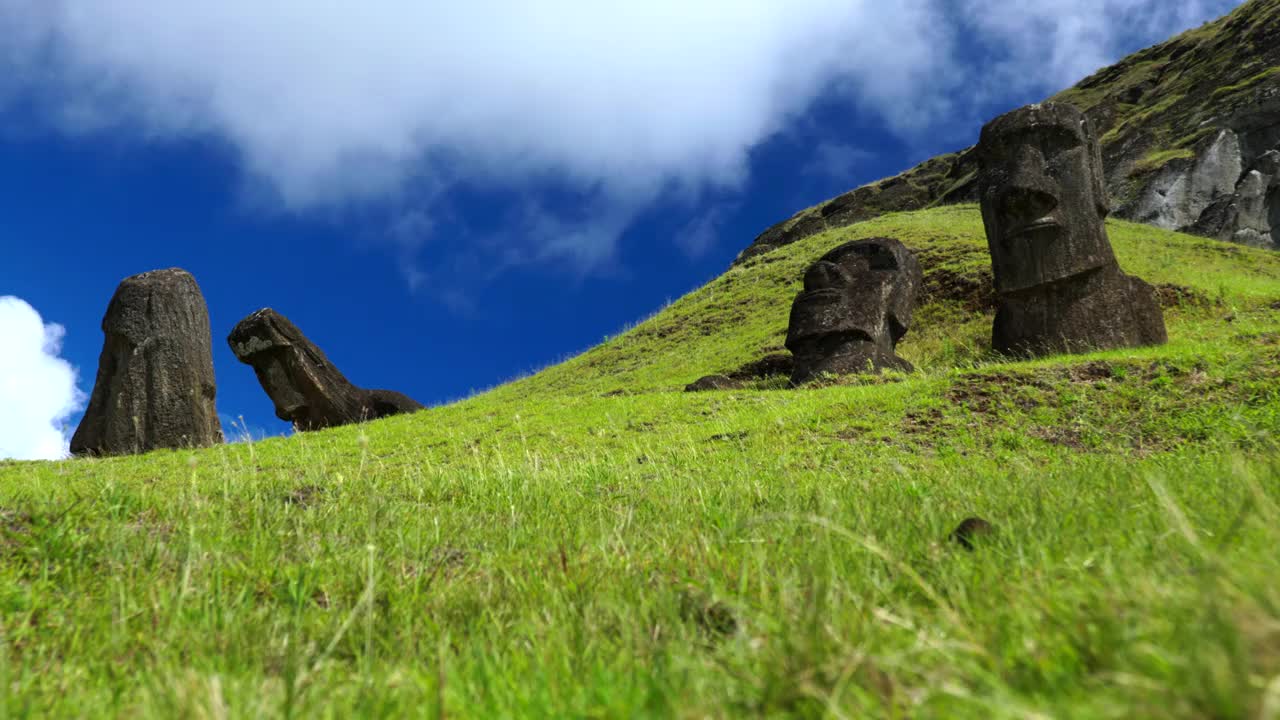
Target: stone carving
x=305 y=387
x=155 y=386
x=1043 y=201
x=855 y=307
x=769 y=366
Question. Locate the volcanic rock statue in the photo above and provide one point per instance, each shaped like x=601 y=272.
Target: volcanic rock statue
x=305 y=387
x=155 y=385
x=1043 y=204
x=856 y=306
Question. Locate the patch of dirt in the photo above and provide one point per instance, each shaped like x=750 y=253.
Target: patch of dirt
x=739 y=435
x=1060 y=436
x=1094 y=371
x=974 y=292
x=714 y=618
x=1262 y=338
x=14 y=525
x=946 y=278
x=1171 y=295
x=304 y=496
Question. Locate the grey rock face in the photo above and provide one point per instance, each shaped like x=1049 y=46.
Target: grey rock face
x=305 y=387
x=155 y=386
x=856 y=305
x=1229 y=191
x=1043 y=204
x=1182 y=190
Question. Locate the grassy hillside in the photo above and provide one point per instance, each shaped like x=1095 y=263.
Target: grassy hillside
x=591 y=542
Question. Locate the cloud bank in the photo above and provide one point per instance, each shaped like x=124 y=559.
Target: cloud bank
x=333 y=103
x=38 y=392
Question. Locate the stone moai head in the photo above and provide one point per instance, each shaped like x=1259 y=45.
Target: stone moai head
x=1043 y=196
x=293 y=371
x=856 y=304
x=155 y=385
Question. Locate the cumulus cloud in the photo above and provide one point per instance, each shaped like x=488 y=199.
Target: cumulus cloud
x=333 y=100
x=332 y=103
x=38 y=392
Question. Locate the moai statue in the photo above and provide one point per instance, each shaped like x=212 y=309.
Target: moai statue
x=305 y=387
x=855 y=307
x=1044 y=203
x=155 y=386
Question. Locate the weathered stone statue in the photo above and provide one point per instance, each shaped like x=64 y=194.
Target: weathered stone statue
x=856 y=306
x=305 y=387
x=155 y=386
x=1043 y=203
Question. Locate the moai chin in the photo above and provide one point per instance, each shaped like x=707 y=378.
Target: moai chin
x=855 y=307
x=306 y=389
x=155 y=386
x=1044 y=205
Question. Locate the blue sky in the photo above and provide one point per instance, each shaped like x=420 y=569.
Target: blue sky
x=446 y=196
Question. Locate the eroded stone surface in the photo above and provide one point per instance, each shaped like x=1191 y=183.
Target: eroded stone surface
x=155 y=385
x=305 y=387
x=855 y=307
x=1043 y=204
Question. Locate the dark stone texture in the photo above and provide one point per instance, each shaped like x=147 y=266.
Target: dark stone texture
x=155 y=385
x=970 y=531
x=762 y=369
x=1044 y=203
x=305 y=387
x=712 y=382
x=855 y=307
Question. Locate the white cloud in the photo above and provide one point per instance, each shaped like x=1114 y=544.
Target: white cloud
x=38 y=392
x=332 y=100
x=1050 y=45
x=329 y=102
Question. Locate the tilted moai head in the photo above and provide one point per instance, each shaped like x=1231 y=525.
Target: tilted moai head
x=301 y=382
x=855 y=307
x=1043 y=196
x=306 y=389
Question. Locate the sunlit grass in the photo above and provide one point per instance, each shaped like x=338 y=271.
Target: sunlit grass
x=554 y=548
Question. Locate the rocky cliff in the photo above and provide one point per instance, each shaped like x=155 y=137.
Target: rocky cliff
x=1190 y=135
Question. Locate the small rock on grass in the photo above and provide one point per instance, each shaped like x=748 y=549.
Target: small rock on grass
x=971 y=531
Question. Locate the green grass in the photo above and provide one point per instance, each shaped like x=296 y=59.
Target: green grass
x=591 y=542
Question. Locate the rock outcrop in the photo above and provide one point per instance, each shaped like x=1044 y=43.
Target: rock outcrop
x=155 y=386
x=305 y=387
x=1190 y=133
x=1044 y=203
x=855 y=307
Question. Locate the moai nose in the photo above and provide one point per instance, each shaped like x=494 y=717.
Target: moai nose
x=1031 y=193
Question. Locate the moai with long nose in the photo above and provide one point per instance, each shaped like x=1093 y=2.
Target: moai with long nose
x=1044 y=205
x=855 y=307
x=306 y=389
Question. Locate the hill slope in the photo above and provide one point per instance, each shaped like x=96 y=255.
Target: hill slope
x=1190 y=132
x=589 y=541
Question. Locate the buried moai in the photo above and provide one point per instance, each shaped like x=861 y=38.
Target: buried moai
x=1044 y=202
x=155 y=385
x=855 y=307
x=306 y=389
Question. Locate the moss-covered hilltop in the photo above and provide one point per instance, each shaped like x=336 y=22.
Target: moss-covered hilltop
x=1190 y=135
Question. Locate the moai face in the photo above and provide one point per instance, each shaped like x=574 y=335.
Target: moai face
x=283 y=368
x=1043 y=196
x=860 y=292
